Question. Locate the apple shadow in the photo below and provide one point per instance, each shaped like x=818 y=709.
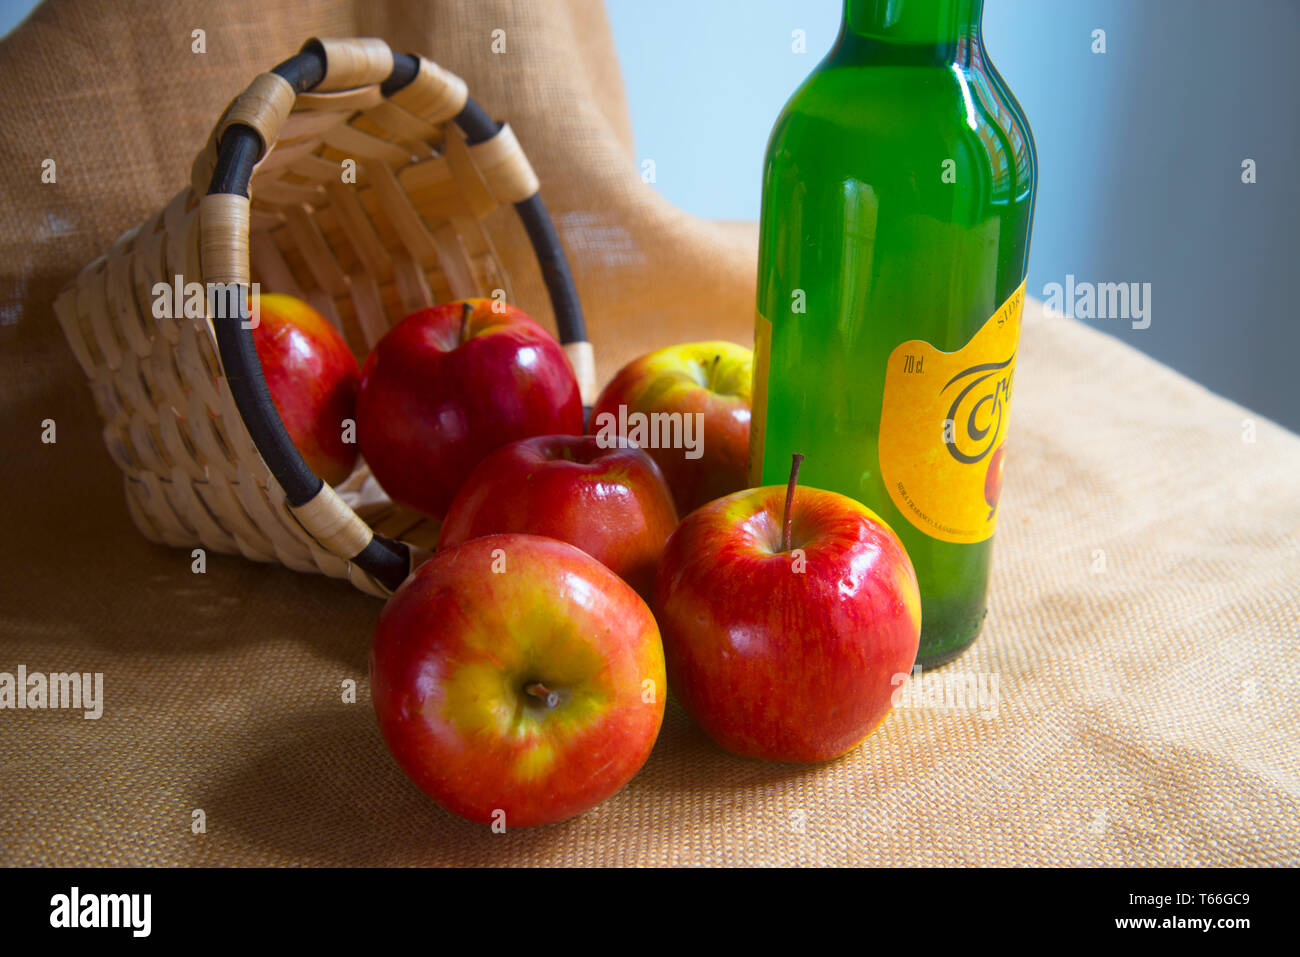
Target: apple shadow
x=686 y=760
x=322 y=790
x=326 y=792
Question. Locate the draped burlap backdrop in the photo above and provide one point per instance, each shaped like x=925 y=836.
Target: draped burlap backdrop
x=1146 y=594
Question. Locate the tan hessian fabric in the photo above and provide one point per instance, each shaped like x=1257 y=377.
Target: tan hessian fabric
x=1146 y=595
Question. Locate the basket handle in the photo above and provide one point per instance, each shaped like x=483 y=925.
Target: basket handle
x=244 y=135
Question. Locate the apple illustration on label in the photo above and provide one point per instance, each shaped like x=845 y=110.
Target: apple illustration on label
x=447 y=385
x=610 y=502
x=688 y=407
x=786 y=615
x=993 y=480
x=517 y=680
x=312 y=377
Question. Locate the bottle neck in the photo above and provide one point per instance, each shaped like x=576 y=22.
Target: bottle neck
x=927 y=23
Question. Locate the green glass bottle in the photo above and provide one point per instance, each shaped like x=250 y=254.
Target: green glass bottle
x=898 y=195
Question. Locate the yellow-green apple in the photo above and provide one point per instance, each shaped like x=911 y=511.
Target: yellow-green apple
x=688 y=406
x=312 y=376
x=610 y=502
x=517 y=680
x=786 y=616
x=447 y=385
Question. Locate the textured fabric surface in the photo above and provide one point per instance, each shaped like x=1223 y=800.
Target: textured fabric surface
x=1144 y=628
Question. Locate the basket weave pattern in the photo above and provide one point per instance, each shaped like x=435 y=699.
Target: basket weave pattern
x=406 y=234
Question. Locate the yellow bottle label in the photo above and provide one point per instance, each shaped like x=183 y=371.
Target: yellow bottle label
x=943 y=421
x=758 y=397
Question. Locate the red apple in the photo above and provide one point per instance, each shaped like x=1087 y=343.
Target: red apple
x=312 y=376
x=447 y=385
x=517 y=680
x=610 y=502
x=785 y=617
x=709 y=381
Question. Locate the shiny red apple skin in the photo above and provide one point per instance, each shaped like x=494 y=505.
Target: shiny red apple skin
x=712 y=378
x=432 y=406
x=610 y=502
x=313 y=379
x=458 y=643
x=775 y=663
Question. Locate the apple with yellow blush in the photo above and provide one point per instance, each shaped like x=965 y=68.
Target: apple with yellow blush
x=517 y=680
x=709 y=381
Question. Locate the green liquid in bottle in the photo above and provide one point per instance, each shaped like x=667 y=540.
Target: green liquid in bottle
x=898 y=197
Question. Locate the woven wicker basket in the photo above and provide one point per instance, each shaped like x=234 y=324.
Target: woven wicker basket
x=188 y=418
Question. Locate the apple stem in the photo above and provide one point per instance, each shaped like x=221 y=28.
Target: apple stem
x=466 y=310
x=543 y=694
x=788 y=521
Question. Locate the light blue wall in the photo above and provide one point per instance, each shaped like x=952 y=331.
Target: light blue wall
x=1140 y=151
x=13 y=12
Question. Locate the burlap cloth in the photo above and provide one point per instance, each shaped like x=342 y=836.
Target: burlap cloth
x=1145 y=600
